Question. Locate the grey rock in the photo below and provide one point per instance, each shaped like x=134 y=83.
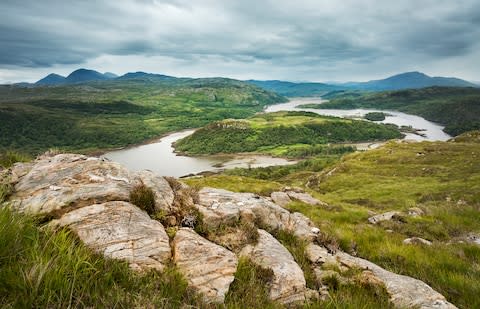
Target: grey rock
x=120 y=230
x=288 y=284
x=417 y=241
x=305 y=198
x=208 y=268
x=163 y=192
x=70 y=181
x=225 y=207
x=280 y=198
x=383 y=217
x=405 y=292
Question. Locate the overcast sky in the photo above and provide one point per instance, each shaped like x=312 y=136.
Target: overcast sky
x=317 y=40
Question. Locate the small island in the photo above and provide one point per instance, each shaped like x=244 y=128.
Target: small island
x=375 y=116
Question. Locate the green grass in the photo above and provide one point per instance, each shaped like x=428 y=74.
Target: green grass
x=441 y=178
x=267 y=132
x=40 y=268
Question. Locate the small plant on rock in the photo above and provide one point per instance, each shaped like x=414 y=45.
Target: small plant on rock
x=143 y=197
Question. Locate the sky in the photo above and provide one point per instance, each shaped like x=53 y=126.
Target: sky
x=314 y=40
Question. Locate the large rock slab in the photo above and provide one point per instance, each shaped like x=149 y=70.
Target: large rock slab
x=68 y=181
x=404 y=291
x=225 y=207
x=208 y=268
x=120 y=230
x=288 y=284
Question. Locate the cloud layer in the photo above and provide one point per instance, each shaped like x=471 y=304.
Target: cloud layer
x=294 y=40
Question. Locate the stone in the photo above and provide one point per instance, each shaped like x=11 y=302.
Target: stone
x=208 y=268
x=164 y=195
x=405 y=292
x=288 y=284
x=305 y=198
x=280 y=198
x=473 y=238
x=70 y=181
x=417 y=241
x=383 y=217
x=318 y=255
x=120 y=230
x=225 y=207
x=415 y=212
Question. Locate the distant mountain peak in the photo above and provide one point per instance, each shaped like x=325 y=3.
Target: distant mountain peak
x=51 y=79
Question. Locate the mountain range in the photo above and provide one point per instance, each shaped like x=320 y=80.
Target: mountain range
x=409 y=80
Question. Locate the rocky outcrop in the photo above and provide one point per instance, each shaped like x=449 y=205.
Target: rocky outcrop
x=383 y=217
x=305 y=198
x=66 y=181
x=164 y=194
x=417 y=241
x=288 y=284
x=280 y=198
x=209 y=268
x=405 y=292
x=225 y=207
x=90 y=196
x=120 y=230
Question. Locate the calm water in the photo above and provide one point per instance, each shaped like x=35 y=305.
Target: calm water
x=432 y=131
x=160 y=157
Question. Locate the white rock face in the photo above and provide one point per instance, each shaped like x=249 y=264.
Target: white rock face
x=383 y=217
x=209 y=268
x=288 y=284
x=122 y=231
x=225 y=207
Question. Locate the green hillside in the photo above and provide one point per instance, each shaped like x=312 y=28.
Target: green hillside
x=110 y=114
x=281 y=133
x=442 y=179
x=456 y=108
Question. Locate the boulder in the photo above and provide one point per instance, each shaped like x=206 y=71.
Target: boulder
x=208 y=268
x=383 y=217
x=405 y=292
x=318 y=255
x=225 y=207
x=417 y=241
x=122 y=231
x=164 y=195
x=280 y=198
x=415 y=212
x=305 y=198
x=288 y=284
x=70 y=181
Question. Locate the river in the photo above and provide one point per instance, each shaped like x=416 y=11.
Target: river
x=160 y=157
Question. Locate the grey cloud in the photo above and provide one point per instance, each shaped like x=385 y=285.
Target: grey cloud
x=297 y=36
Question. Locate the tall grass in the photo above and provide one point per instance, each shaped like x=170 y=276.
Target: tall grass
x=40 y=268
